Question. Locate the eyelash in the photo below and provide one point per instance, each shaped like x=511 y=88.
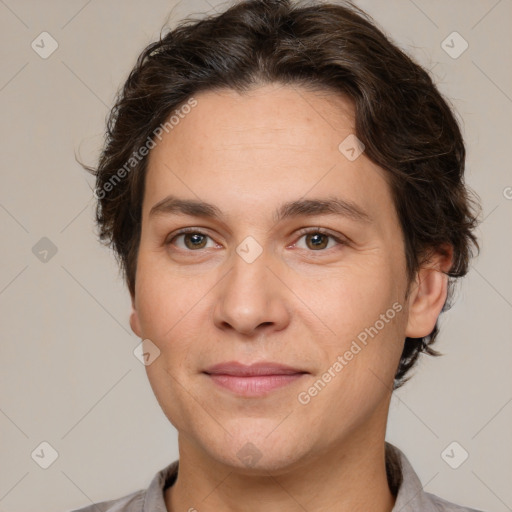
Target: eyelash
x=301 y=233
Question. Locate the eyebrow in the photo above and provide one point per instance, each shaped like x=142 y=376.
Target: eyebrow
x=171 y=205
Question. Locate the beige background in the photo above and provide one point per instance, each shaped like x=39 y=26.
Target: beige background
x=68 y=374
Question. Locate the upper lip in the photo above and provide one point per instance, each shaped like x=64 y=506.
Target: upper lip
x=256 y=369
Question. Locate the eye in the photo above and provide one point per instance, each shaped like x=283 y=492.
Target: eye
x=317 y=239
x=192 y=239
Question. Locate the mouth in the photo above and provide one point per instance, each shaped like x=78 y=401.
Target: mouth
x=253 y=380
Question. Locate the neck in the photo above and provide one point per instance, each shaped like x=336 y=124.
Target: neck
x=352 y=477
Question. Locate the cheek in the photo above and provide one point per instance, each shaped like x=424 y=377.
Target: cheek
x=162 y=301
x=172 y=315
x=353 y=299
x=366 y=312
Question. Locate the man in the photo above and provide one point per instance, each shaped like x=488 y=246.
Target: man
x=284 y=190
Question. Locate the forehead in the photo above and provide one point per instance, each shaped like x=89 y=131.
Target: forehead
x=272 y=114
x=269 y=144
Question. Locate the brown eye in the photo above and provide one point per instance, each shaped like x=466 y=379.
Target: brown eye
x=194 y=240
x=191 y=240
x=317 y=241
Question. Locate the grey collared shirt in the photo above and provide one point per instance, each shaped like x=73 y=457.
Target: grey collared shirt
x=410 y=496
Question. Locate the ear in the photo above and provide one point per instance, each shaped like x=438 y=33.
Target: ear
x=134 y=319
x=428 y=293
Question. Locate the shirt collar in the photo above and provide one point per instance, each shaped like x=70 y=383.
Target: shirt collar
x=410 y=497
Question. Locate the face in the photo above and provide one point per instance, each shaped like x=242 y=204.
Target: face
x=280 y=320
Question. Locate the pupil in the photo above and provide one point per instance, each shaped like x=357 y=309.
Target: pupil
x=196 y=240
x=318 y=237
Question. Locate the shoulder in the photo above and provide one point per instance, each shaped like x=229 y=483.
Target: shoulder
x=129 y=503
x=144 y=500
x=410 y=496
x=447 y=506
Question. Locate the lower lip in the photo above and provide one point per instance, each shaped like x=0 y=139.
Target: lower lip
x=255 y=385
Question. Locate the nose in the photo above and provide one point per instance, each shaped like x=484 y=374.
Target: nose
x=252 y=299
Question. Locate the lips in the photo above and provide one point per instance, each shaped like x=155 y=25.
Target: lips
x=253 y=380
x=256 y=369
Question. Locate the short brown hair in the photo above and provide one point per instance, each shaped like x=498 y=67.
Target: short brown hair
x=408 y=129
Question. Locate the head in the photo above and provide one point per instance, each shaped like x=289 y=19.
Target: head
x=321 y=176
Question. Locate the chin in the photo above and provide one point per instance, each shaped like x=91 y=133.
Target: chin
x=259 y=448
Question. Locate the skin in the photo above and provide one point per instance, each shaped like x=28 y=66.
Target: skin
x=295 y=304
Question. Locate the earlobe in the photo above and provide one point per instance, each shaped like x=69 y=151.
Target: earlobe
x=428 y=295
x=134 y=320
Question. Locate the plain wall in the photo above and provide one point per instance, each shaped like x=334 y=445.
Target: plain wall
x=68 y=374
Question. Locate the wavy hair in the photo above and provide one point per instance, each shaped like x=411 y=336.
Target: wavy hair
x=407 y=127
